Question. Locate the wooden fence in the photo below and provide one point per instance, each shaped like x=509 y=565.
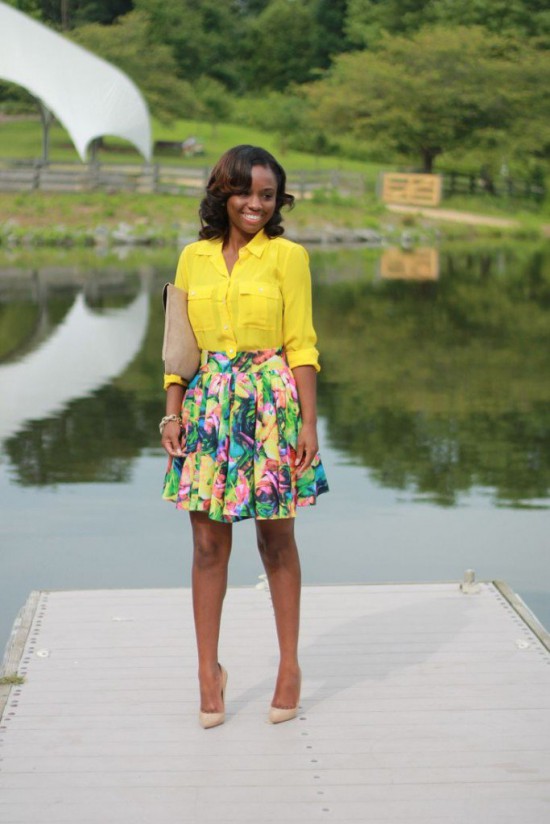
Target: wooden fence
x=22 y=176
x=457 y=183
x=155 y=178
x=69 y=177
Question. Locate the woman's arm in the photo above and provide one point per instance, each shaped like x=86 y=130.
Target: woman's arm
x=299 y=336
x=308 y=444
x=171 y=433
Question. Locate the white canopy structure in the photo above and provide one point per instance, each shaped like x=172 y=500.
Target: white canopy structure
x=89 y=96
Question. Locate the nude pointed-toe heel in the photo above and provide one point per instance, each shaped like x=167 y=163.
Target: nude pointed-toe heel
x=214 y=719
x=279 y=714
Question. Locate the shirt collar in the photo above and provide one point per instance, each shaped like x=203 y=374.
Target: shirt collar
x=258 y=243
x=256 y=246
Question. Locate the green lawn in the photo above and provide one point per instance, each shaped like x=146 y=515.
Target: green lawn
x=22 y=139
x=165 y=214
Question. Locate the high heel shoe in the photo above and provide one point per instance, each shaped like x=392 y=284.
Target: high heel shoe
x=279 y=714
x=214 y=719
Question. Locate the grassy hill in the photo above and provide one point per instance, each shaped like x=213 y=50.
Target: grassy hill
x=22 y=139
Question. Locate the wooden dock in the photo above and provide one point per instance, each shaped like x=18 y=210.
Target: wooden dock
x=420 y=703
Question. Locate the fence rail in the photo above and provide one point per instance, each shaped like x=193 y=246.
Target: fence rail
x=24 y=176
x=153 y=178
x=66 y=177
x=457 y=183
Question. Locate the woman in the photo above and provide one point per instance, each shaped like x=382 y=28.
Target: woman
x=242 y=438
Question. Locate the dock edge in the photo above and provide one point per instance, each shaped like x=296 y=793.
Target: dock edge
x=16 y=643
x=519 y=605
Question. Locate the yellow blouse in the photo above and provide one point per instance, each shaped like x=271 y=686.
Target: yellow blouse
x=264 y=304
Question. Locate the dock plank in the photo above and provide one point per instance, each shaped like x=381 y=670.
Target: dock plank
x=419 y=703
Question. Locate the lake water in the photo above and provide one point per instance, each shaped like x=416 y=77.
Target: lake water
x=434 y=423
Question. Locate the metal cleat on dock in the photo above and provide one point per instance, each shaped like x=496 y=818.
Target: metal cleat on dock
x=468 y=584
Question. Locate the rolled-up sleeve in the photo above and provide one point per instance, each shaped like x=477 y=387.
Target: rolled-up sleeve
x=299 y=336
x=182 y=282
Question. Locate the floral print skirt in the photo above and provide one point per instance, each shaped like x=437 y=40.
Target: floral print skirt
x=240 y=424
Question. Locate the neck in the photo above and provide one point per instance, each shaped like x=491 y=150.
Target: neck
x=236 y=240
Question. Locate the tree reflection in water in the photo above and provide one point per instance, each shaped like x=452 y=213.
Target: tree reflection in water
x=438 y=387
x=442 y=387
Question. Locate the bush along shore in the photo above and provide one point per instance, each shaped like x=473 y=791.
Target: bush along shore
x=104 y=221
x=124 y=234
x=406 y=231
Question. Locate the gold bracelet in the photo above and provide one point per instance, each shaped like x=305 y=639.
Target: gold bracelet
x=168 y=419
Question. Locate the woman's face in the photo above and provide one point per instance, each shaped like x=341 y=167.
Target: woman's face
x=248 y=212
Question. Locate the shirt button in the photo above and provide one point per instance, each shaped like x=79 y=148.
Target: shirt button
x=226 y=327
x=261 y=288
x=231 y=351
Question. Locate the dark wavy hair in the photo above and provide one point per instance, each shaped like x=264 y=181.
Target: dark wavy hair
x=232 y=175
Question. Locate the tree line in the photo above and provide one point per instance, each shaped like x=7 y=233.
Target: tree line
x=407 y=80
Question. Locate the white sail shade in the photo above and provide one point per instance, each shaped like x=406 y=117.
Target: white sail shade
x=88 y=95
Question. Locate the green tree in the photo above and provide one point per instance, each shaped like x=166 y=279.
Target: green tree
x=31 y=7
x=439 y=90
x=280 y=47
x=366 y=20
x=204 y=36
x=214 y=104
x=74 y=12
x=528 y=17
x=328 y=35
x=151 y=65
x=285 y=114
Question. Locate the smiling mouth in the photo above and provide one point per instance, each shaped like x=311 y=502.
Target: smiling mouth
x=254 y=218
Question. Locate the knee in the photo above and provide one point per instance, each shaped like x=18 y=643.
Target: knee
x=275 y=549
x=209 y=553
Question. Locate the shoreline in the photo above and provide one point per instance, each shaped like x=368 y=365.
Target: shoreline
x=407 y=233
x=106 y=221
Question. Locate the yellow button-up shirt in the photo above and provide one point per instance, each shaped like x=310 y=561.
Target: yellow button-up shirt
x=264 y=304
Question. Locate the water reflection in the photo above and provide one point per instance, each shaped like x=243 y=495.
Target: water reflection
x=415 y=264
x=443 y=387
x=56 y=363
x=439 y=386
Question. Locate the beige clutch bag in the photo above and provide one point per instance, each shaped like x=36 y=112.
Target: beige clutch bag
x=180 y=352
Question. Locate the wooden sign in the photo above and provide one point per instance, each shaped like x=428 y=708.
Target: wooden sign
x=411 y=189
x=418 y=264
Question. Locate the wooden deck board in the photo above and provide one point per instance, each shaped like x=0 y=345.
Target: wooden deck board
x=419 y=703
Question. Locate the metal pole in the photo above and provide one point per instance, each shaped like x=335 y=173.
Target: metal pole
x=46 y=117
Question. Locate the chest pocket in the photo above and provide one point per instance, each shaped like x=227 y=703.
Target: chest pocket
x=259 y=305
x=200 y=304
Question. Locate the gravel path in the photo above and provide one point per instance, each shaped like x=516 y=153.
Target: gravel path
x=457 y=217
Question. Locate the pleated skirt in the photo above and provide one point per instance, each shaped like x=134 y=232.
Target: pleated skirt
x=240 y=425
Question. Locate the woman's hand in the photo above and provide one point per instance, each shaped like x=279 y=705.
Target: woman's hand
x=171 y=434
x=171 y=438
x=307 y=448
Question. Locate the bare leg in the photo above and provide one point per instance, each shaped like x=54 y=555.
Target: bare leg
x=211 y=551
x=279 y=555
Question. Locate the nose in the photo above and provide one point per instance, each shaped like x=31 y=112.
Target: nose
x=254 y=201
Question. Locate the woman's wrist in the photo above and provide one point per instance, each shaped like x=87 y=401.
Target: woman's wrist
x=169 y=419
